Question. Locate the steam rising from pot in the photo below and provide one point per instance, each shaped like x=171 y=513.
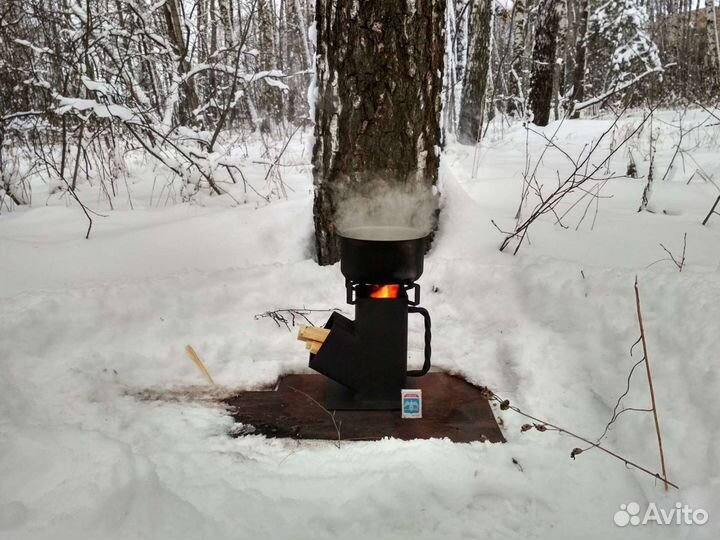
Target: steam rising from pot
x=384 y=209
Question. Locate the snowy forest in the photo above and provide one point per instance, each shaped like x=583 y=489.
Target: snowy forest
x=85 y=85
x=190 y=189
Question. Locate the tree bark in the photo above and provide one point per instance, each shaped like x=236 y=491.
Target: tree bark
x=560 y=55
x=541 y=83
x=226 y=18
x=476 y=71
x=190 y=100
x=269 y=97
x=300 y=59
x=572 y=11
x=377 y=115
x=523 y=22
x=715 y=31
x=579 y=73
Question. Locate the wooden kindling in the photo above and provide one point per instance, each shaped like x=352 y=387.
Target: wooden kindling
x=313 y=337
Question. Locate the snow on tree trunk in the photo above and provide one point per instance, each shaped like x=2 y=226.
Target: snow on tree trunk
x=543 y=61
x=377 y=115
x=476 y=73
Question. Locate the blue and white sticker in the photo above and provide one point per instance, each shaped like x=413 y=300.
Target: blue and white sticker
x=411 y=403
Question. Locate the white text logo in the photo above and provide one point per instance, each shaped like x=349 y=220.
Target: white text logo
x=680 y=514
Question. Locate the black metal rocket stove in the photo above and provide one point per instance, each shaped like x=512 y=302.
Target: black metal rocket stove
x=365 y=360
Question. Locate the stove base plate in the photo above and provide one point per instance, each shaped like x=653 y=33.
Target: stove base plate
x=452 y=408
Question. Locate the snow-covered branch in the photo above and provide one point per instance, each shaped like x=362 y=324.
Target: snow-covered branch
x=617 y=89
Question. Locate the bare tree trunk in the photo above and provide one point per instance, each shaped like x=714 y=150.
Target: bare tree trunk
x=541 y=83
x=377 y=115
x=225 y=8
x=212 y=21
x=523 y=21
x=572 y=8
x=300 y=59
x=204 y=88
x=269 y=98
x=560 y=49
x=450 y=77
x=715 y=31
x=303 y=29
x=476 y=72
x=578 y=93
x=190 y=101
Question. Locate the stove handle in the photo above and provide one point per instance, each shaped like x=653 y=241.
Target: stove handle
x=428 y=338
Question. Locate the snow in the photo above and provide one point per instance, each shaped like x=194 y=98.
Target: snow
x=312 y=34
x=38 y=50
x=277 y=84
x=102 y=87
x=312 y=99
x=103 y=110
x=622 y=24
x=89 y=325
x=247 y=77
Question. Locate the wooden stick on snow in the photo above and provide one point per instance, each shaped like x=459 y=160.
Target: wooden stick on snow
x=195 y=358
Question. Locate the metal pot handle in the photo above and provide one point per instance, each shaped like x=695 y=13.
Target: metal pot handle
x=428 y=338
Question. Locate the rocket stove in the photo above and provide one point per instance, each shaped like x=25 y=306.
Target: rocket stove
x=365 y=360
x=364 y=363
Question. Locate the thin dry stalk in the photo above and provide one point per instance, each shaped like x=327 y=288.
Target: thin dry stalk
x=650 y=384
x=679 y=263
x=330 y=414
x=712 y=211
x=289 y=316
x=543 y=425
x=583 y=171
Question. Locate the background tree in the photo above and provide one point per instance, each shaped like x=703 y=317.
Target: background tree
x=549 y=13
x=476 y=73
x=269 y=99
x=377 y=117
x=579 y=64
x=456 y=45
x=522 y=31
x=620 y=49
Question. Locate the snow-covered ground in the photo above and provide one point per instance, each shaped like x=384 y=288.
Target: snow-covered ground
x=86 y=325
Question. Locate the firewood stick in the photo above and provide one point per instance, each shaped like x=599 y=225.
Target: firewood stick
x=195 y=358
x=314 y=346
x=312 y=333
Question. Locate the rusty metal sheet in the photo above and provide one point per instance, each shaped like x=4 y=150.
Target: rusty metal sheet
x=452 y=408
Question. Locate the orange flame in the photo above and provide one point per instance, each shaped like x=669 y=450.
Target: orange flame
x=385 y=291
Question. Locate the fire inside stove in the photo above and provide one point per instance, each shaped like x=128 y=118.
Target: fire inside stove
x=384 y=291
x=365 y=360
